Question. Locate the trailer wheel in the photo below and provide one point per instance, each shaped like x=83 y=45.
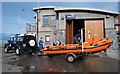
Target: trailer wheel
x=70 y=58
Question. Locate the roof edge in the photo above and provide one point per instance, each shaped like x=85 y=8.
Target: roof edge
x=74 y=8
x=89 y=9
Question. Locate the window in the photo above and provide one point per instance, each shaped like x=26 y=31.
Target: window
x=116 y=20
x=47 y=38
x=11 y=39
x=14 y=39
x=49 y=20
x=46 y=20
x=20 y=38
x=117 y=28
x=52 y=19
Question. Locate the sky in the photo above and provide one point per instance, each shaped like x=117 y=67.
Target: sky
x=12 y=10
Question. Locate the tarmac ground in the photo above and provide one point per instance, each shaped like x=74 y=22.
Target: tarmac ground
x=99 y=62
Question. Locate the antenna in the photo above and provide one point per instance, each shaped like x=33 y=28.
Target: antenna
x=19 y=21
x=19 y=24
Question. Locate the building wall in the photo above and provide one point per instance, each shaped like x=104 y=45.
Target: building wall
x=79 y=15
x=60 y=26
x=117 y=20
x=46 y=29
x=30 y=29
x=108 y=24
x=31 y=32
x=110 y=31
x=43 y=34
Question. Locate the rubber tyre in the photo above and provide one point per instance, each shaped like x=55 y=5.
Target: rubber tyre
x=70 y=58
x=18 y=51
x=6 y=50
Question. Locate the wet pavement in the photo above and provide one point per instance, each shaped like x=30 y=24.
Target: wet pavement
x=99 y=62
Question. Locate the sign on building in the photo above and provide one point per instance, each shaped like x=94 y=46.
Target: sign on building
x=72 y=16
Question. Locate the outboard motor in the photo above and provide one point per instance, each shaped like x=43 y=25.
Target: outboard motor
x=56 y=43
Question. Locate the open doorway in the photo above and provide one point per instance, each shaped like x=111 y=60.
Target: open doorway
x=78 y=24
x=74 y=27
x=93 y=27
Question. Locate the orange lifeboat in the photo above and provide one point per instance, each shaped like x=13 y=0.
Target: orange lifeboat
x=93 y=46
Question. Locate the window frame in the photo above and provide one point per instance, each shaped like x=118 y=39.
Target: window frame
x=48 y=20
x=46 y=40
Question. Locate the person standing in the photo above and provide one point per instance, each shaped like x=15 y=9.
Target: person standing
x=79 y=40
x=41 y=43
x=76 y=38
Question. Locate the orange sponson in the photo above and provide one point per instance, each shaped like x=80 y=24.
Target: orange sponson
x=93 y=45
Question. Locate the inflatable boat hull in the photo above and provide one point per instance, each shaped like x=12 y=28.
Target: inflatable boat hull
x=94 y=45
